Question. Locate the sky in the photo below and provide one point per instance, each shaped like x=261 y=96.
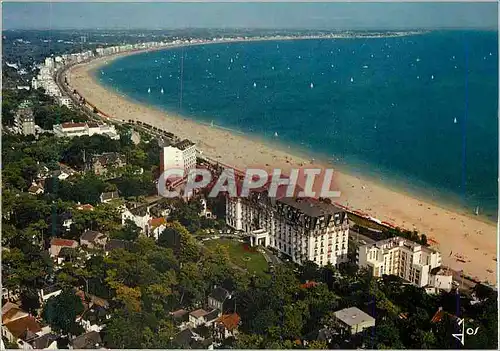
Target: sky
x=208 y=14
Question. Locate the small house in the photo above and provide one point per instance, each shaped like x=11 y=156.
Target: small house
x=217 y=298
x=115 y=244
x=90 y=340
x=155 y=227
x=57 y=244
x=93 y=239
x=45 y=342
x=196 y=317
x=21 y=330
x=227 y=326
x=103 y=163
x=352 y=320
x=35 y=189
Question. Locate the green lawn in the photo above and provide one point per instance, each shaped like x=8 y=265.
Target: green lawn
x=254 y=262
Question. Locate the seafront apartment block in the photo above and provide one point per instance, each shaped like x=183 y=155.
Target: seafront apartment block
x=180 y=155
x=404 y=258
x=304 y=229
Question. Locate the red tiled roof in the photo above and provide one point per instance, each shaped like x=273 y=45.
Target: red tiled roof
x=308 y=285
x=156 y=222
x=73 y=125
x=86 y=207
x=438 y=316
x=63 y=242
x=19 y=326
x=12 y=314
x=229 y=321
x=440 y=313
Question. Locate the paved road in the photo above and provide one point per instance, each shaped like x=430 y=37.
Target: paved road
x=270 y=257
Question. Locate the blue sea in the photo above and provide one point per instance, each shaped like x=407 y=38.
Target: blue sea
x=419 y=112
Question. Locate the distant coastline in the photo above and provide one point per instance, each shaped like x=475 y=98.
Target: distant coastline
x=342 y=35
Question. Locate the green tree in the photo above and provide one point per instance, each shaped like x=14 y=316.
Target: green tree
x=181 y=242
x=249 y=341
x=129 y=231
x=60 y=311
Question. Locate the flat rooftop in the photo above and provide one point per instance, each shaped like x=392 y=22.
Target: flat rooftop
x=184 y=144
x=398 y=241
x=353 y=315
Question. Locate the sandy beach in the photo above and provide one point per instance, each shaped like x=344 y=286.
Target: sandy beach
x=473 y=239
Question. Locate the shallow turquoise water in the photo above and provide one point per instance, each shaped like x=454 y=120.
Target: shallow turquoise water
x=418 y=111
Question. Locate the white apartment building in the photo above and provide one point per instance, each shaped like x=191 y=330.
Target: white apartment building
x=71 y=129
x=181 y=155
x=401 y=257
x=65 y=101
x=24 y=120
x=49 y=63
x=304 y=229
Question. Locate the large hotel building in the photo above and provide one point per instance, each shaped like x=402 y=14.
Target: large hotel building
x=304 y=229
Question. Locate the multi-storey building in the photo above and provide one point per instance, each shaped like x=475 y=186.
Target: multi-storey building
x=24 y=119
x=401 y=257
x=304 y=229
x=181 y=155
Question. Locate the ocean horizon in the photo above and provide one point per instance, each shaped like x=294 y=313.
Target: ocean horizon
x=417 y=112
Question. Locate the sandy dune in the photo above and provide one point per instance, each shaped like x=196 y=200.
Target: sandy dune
x=472 y=238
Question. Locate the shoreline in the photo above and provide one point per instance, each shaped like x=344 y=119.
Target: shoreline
x=450 y=204
x=453 y=230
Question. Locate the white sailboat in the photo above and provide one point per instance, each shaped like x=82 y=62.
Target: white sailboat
x=477 y=210
x=161 y=91
x=276 y=134
x=254 y=84
x=149 y=90
x=432 y=77
x=312 y=85
x=455 y=120
x=352 y=79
